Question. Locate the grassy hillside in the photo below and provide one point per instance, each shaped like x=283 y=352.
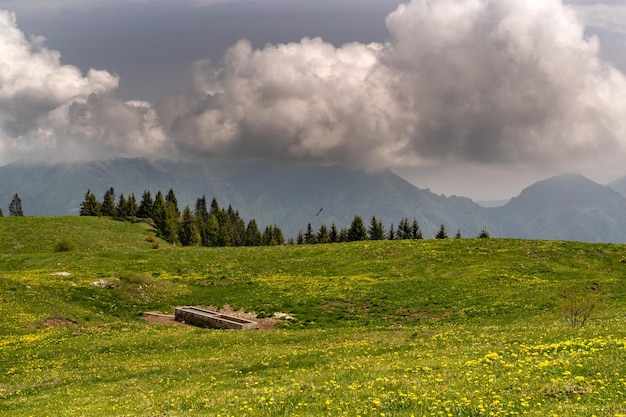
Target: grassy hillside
x=457 y=327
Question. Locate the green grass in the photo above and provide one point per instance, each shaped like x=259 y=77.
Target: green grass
x=464 y=327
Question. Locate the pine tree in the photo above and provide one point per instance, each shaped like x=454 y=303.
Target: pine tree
x=211 y=235
x=188 y=230
x=131 y=206
x=1 y=213
x=300 y=238
x=309 y=236
x=145 y=207
x=90 y=206
x=253 y=235
x=171 y=200
x=322 y=235
x=121 y=209
x=225 y=234
x=458 y=234
x=441 y=234
x=484 y=234
x=333 y=235
x=416 y=232
x=357 y=230
x=376 y=231
x=15 y=207
x=159 y=213
x=202 y=213
x=392 y=234
x=343 y=235
x=108 y=203
x=404 y=229
x=277 y=236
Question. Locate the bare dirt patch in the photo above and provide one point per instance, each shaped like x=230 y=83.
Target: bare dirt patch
x=58 y=322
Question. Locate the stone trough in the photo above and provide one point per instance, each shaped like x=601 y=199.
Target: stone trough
x=212 y=319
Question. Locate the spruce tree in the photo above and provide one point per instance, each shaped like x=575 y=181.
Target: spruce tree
x=108 y=203
x=15 y=207
x=121 y=209
x=253 y=235
x=392 y=233
x=343 y=235
x=441 y=234
x=171 y=200
x=159 y=214
x=357 y=230
x=277 y=236
x=211 y=236
x=333 y=235
x=145 y=206
x=376 y=231
x=90 y=206
x=458 y=234
x=172 y=224
x=416 y=232
x=484 y=234
x=322 y=235
x=188 y=231
x=309 y=236
x=131 y=206
x=1 y=213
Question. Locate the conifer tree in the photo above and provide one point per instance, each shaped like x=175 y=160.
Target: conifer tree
x=441 y=234
x=90 y=206
x=145 y=206
x=15 y=207
x=484 y=234
x=131 y=206
x=376 y=231
x=172 y=224
x=322 y=235
x=392 y=233
x=343 y=235
x=225 y=235
x=309 y=236
x=211 y=235
x=188 y=231
x=277 y=236
x=202 y=213
x=253 y=235
x=171 y=200
x=357 y=230
x=1 y=213
x=300 y=238
x=333 y=235
x=458 y=234
x=159 y=214
x=121 y=209
x=416 y=232
x=108 y=203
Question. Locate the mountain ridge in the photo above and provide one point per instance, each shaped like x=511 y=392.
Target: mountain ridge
x=568 y=207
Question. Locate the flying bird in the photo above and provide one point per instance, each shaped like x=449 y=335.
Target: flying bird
x=317 y=214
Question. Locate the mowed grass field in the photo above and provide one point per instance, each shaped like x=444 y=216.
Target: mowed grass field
x=467 y=327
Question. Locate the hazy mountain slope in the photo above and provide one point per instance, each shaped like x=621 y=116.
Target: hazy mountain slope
x=287 y=195
x=619 y=185
x=569 y=207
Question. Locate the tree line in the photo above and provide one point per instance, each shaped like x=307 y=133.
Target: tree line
x=376 y=231
x=207 y=225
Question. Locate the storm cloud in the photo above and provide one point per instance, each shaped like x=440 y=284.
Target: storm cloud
x=51 y=111
x=479 y=81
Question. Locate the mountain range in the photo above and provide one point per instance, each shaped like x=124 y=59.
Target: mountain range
x=566 y=207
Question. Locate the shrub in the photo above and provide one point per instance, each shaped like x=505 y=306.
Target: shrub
x=577 y=307
x=64 y=245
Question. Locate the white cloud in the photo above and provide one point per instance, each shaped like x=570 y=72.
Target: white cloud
x=478 y=80
x=51 y=111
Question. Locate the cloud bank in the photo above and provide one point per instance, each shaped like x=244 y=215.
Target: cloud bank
x=480 y=81
x=50 y=111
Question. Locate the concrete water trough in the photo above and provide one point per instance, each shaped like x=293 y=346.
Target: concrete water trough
x=212 y=319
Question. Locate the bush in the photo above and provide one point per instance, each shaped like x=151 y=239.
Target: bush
x=577 y=307
x=64 y=245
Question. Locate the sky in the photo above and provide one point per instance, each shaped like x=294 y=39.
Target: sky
x=477 y=98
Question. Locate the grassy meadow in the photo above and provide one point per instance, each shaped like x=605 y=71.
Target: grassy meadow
x=456 y=327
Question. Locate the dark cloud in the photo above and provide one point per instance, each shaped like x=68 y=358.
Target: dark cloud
x=481 y=81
